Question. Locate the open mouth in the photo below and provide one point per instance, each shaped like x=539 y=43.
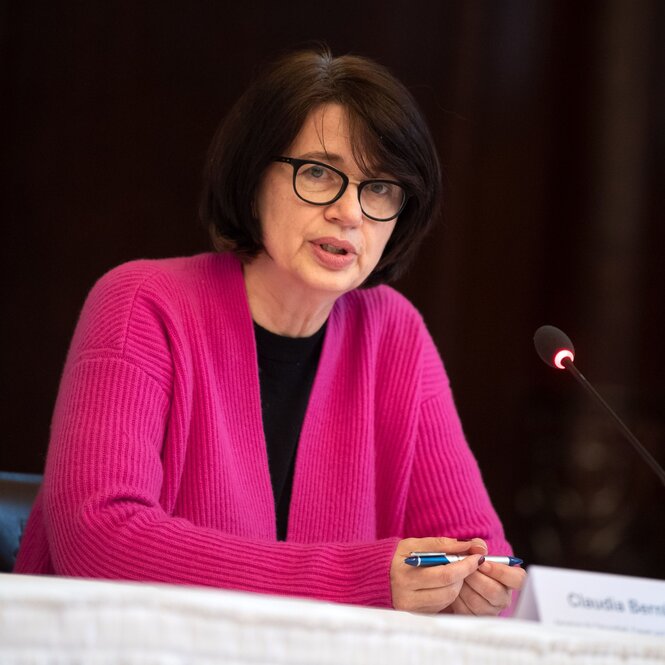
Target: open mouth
x=332 y=249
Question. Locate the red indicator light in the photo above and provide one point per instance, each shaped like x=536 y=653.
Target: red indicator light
x=561 y=355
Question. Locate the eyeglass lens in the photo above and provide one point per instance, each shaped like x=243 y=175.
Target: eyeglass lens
x=318 y=184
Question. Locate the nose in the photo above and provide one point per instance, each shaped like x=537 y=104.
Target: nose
x=346 y=211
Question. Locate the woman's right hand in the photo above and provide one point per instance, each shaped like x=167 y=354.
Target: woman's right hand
x=432 y=589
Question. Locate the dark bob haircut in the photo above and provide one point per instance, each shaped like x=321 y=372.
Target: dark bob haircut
x=388 y=134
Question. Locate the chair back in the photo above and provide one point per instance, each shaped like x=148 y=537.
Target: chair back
x=17 y=494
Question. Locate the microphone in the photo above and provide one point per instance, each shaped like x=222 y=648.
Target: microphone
x=555 y=349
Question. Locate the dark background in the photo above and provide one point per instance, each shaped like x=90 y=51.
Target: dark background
x=549 y=117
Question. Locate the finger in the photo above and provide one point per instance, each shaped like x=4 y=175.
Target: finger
x=512 y=577
x=479 y=604
x=459 y=606
x=429 y=589
x=485 y=595
x=476 y=546
x=434 y=600
x=443 y=576
x=448 y=545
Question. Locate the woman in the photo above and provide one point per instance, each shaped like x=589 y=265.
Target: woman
x=259 y=419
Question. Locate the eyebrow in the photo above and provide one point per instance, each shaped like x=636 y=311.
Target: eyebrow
x=338 y=160
x=323 y=156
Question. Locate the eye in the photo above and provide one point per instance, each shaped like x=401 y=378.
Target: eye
x=314 y=177
x=379 y=188
x=315 y=172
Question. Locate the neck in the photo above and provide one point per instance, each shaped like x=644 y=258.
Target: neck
x=292 y=310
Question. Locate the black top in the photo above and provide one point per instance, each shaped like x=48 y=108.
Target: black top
x=287 y=366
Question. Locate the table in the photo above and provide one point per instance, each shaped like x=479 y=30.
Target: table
x=62 y=620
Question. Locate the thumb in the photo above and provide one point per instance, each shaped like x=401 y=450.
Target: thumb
x=439 y=544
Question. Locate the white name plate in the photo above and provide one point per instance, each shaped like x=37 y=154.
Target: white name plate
x=560 y=597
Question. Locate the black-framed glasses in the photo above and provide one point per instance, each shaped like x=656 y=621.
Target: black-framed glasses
x=320 y=184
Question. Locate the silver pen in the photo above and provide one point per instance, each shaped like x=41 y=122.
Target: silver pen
x=425 y=559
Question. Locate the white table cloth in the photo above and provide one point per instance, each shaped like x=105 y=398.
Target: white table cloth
x=59 y=620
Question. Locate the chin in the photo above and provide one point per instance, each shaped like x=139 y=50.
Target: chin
x=337 y=283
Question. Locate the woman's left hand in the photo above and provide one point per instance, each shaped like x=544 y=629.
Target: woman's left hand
x=487 y=591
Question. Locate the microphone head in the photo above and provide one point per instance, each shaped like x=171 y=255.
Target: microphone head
x=553 y=346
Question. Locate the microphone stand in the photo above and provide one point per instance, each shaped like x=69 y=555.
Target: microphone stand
x=645 y=454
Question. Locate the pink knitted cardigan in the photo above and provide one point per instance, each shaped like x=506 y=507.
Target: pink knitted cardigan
x=157 y=466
